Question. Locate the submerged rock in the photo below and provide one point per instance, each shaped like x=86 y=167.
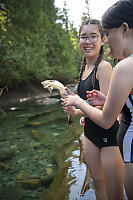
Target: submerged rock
x=49 y=170
x=4 y=166
x=13 y=192
x=37 y=135
x=6 y=153
x=30 y=183
x=22 y=176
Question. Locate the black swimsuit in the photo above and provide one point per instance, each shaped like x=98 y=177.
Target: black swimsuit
x=99 y=136
x=125 y=133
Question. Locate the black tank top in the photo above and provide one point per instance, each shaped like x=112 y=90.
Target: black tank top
x=91 y=129
x=127 y=111
x=83 y=86
x=86 y=84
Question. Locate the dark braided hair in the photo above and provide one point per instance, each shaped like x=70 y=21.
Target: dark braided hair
x=121 y=11
x=83 y=64
x=101 y=53
x=100 y=57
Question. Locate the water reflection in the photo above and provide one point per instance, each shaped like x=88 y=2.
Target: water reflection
x=38 y=155
x=78 y=172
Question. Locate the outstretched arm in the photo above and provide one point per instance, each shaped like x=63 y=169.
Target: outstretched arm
x=120 y=87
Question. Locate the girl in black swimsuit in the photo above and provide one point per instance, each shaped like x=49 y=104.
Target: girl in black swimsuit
x=101 y=152
x=117 y=22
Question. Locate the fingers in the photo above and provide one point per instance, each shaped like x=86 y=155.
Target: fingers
x=92 y=101
x=64 y=104
x=92 y=91
x=91 y=96
x=68 y=109
x=63 y=100
x=70 y=100
x=65 y=109
x=82 y=121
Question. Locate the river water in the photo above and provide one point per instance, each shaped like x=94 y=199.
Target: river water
x=39 y=155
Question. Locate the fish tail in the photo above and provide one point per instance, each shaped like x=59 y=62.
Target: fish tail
x=86 y=184
x=69 y=121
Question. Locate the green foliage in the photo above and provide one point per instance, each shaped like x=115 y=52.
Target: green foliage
x=33 y=45
x=86 y=14
x=107 y=57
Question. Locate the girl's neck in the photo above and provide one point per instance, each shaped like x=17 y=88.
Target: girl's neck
x=91 y=61
x=129 y=48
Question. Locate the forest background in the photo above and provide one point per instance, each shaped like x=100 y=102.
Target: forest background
x=38 y=42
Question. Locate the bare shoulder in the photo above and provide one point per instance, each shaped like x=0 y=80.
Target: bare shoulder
x=125 y=66
x=104 y=68
x=123 y=72
x=104 y=65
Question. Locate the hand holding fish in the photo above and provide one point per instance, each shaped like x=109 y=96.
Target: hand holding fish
x=71 y=110
x=72 y=100
x=63 y=91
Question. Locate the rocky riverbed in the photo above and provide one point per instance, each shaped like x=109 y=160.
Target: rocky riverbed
x=38 y=155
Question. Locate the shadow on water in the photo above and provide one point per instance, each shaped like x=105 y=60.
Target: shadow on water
x=39 y=156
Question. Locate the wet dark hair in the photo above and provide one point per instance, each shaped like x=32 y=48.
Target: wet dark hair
x=101 y=53
x=120 y=12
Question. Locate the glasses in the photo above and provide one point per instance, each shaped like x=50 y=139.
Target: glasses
x=91 y=38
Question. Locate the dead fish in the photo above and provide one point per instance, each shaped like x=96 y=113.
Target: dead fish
x=56 y=85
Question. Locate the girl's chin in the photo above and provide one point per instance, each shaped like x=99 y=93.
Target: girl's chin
x=89 y=54
x=116 y=56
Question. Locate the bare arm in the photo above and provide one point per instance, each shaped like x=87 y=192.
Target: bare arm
x=103 y=75
x=120 y=87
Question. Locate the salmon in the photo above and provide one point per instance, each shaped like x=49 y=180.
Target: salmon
x=56 y=85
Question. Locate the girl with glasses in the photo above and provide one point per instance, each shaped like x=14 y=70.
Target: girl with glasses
x=101 y=152
x=118 y=26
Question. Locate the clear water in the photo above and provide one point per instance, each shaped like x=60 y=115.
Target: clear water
x=34 y=143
